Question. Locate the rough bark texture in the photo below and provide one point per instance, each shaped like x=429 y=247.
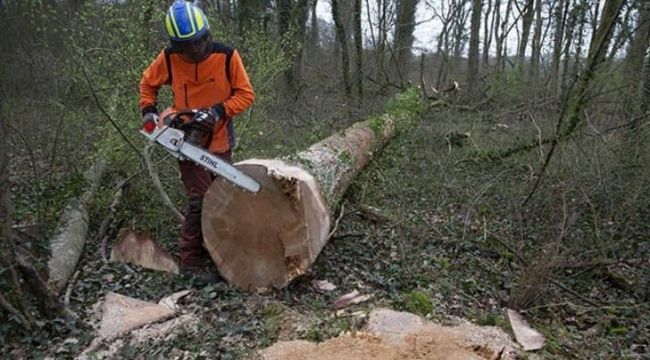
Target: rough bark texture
x=341 y=39
x=358 y=45
x=403 y=41
x=472 y=71
x=527 y=22
x=267 y=239
x=67 y=246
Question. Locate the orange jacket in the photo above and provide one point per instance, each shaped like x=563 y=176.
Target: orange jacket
x=218 y=79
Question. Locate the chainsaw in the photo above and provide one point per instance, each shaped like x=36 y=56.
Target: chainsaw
x=183 y=141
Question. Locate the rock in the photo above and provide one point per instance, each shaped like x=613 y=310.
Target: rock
x=392 y=326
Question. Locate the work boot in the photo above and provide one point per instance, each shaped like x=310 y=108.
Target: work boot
x=200 y=274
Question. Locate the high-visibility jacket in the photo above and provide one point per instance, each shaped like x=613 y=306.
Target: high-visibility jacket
x=218 y=79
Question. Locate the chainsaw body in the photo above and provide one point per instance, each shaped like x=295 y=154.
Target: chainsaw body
x=184 y=140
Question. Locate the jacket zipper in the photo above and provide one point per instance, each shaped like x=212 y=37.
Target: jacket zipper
x=187 y=105
x=196 y=72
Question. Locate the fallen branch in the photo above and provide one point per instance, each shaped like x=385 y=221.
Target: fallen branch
x=156 y=181
x=108 y=220
x=15 y=312
x=67 y=246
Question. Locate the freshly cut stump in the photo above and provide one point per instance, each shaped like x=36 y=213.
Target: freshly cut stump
x=265 y=239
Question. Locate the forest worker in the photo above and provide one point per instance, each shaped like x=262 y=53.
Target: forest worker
x=203 y=75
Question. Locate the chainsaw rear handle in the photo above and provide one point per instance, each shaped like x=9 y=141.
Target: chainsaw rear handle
x=176 y=121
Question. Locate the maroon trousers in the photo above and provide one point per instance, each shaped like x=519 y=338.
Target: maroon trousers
x=196 y=180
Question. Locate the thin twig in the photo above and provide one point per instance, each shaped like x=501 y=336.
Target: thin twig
x=156 y=181
x=68 y=291
x=106 y=114
x=338 y=220
x=12 y=310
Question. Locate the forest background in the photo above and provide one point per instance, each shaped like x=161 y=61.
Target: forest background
x=524 y=184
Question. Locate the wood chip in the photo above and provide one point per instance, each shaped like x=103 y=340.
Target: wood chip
x=323 y=286
x=527 y=337
x=351 y=298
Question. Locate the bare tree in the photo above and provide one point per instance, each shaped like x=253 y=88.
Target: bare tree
x=403 y=40
x=292 y=19
x=314 y=37
x=473 y=56
x=527 y=21
x=487 y=33
x=560 y=17
x=637 y=47
x=341 y=39
x=537 y=42
x=358 y=44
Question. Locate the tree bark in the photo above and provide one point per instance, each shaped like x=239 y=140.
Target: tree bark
x=636 y=51
x=403 y=40
x=558 y=38
x=527 y=22
x=314 y=36
x=66 y=247
x=487 y=34
x=473 y=56
x=358 y=44
x=537 y=43
x=267 y=239
x=341 y=39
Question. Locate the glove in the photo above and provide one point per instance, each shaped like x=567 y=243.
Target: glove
x=149 y=122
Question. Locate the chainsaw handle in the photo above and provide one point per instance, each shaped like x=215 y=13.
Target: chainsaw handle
x=176 y=121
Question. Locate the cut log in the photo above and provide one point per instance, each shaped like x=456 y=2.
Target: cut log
x=267 y=239
x=67 y=245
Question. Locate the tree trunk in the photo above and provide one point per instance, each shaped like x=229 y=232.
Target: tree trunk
x=404 y=36
x=472 y=71
x=537 y=43
x=644 y=87
x=341 y=39
x=569 y=32
x=314 y=36
x=527 y=22
x=267 y=239
x=487 y=34
x=66 y=247
x=293 y=17
x=358 y=44
x=558 y=38
x=636 y=50
x=496 y=25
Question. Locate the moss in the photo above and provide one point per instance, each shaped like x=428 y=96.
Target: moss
x=417 y=302
x=407 y=103
x=345 y=157
x=377 y=125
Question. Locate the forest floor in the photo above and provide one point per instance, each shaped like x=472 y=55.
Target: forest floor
x=421 y=231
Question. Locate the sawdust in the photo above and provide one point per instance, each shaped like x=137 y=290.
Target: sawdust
x=408 y=338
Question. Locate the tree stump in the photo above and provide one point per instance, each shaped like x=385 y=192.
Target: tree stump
x=267 y=239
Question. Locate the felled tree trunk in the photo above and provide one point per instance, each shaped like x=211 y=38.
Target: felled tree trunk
x=269 y=238
x=66 y=247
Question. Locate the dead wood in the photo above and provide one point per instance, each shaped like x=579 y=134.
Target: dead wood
x=67 y=246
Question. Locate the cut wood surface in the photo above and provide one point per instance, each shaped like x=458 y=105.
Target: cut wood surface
x=267 y=239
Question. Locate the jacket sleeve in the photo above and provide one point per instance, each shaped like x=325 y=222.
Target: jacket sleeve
x=242 y=94
x=152 y=79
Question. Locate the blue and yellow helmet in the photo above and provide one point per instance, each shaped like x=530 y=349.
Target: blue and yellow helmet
x=185 y=22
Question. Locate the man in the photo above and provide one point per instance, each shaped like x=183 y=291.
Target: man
x=203 y=75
